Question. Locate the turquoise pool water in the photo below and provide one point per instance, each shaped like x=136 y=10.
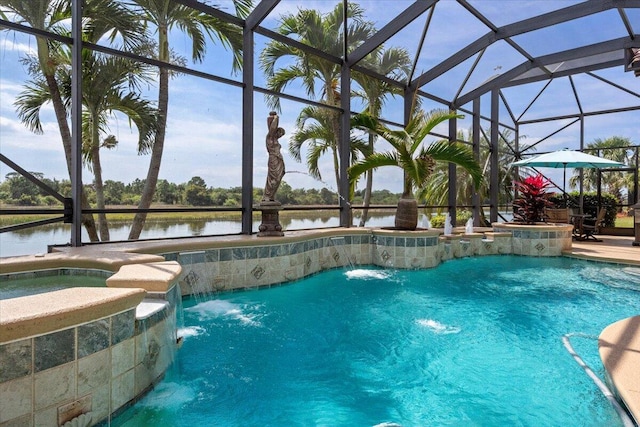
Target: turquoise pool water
x=474 y=342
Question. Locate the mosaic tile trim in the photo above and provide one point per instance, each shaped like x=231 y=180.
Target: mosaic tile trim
x=15 y=360
x=285 y=249
x=93 y=337
x=122 y=326
x=37 y=354
x=406 y=242
x=54 y=349
x=528 y=234
x=33 y=355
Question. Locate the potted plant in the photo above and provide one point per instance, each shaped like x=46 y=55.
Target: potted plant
x=417 y=160
x=530 y=205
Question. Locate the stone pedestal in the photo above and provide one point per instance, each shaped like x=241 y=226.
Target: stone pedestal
x=270 y=220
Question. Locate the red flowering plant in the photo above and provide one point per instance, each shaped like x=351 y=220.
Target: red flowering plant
x=529 y=206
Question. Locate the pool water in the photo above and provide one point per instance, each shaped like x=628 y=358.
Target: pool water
x=20 y=287
x=474 y=342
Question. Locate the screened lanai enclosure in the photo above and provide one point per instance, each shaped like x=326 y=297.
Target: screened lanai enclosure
x=126 y=120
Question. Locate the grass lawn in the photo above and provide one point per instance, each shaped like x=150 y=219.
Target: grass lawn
x=624 y=222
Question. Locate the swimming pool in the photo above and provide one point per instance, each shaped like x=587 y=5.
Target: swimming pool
x=476 y=341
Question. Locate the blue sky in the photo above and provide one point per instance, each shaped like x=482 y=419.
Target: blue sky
x=204 y=133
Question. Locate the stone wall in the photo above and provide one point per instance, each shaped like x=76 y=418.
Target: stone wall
x=538 y=240
x=280 y=261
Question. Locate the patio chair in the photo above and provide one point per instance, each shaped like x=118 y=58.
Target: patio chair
x=590 y=227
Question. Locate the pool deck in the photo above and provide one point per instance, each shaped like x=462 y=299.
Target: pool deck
x=619 y=343
x=617 y=249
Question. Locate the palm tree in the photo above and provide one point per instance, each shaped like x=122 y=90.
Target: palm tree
x=394 y=63
x=416 y=160
x=110 y=84
x=613 y=148
x=105 y=92
x=437 y=189
x=165 y=15
x=323 y=32
x=314 y=127
x=51 y=16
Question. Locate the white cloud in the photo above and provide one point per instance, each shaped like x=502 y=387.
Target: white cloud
x=9 y=89
x=15 y=134
x=13 y=45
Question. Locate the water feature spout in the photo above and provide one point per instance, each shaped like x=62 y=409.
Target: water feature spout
x=341 y=251
x=468 y=228
x=426 y=224
x=448 y=226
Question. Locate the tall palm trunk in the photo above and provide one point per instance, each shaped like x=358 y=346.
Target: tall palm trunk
x=156 y=157
x=333 y=98
x=97 y=175
x=65 y=134
x=158 y=145
x=366 y=200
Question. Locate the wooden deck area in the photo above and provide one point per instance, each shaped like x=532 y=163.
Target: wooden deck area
x=612 y=249
x=619 y=343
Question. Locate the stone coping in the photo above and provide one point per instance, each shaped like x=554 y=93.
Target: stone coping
x=420 y=232
x=194 y=244
x=152 y=277
x=44 y=313
x=619 y=347
x=150 y=306
x=539 y=226
x=85 y=257
x=497 y=234
x=612 y=259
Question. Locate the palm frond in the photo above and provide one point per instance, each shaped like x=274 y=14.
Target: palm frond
x=372 y=162
x=457 y=153
x=29 y=103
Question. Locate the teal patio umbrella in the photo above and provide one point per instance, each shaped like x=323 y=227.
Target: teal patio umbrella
x=568 y=159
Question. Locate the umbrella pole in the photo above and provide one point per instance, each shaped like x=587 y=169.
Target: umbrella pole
x=564 y=184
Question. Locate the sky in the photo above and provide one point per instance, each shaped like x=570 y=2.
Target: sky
x=204 y=130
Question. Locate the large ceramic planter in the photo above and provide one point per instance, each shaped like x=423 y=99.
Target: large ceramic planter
x=407 y=214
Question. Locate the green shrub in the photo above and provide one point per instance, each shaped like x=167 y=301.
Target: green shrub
x=50 y=201
x=130 y=199
x=28 y=200
x=437 y=221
